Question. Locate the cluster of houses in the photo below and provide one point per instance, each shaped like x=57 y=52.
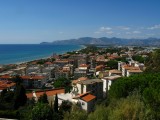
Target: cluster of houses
x=90 y=83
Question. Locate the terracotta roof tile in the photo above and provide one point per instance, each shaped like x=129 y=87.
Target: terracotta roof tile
x=115 y=71
x=49 y=63
x=6 y=84
x=99 y=66
x=5 y=77
x=88 y=97
x=83 y=65
x=48 y=92
x=79 y=79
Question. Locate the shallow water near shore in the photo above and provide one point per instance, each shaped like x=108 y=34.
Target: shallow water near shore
x=17 y=53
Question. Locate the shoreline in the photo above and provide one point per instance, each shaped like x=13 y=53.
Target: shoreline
x=47 y=57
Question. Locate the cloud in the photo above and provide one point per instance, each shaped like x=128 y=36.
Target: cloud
x=136 y=32
x=154 y=27
x=105 y=28
x=109 y=32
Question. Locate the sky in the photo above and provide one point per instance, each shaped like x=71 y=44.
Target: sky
x=35 y=21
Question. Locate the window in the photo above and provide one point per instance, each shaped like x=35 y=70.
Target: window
x=83 y=103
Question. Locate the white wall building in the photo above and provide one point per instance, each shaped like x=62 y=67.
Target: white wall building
x=107 y=82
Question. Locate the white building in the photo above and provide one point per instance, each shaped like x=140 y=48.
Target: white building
x=31 y=69
x=132 y=72
x=120 y=64
x=49 y=70
x=107 y=82
x=115 y=72
x=86 y=101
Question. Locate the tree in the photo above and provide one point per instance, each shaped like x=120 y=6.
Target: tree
x=63 y=82
x=41 y=61
x=138 y=58
x=151 y=97
x=76 y=113
x=99 y=114
x=65 y=106
x=20 y=97
x=3 y=93
x=113 y=64
x=6 y=100
x=55 y=107
x=130 y=108
x=153 y=64
x=17 y=79
x=40 y=111
x=148 y=86
x=43 y=98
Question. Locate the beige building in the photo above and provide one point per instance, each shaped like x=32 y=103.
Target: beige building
x=132 y=72
x=115 y=72
x=125 y=68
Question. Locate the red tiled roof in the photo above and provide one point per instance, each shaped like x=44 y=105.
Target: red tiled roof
x=80 y=79
x=128 y=67
x=48 y=92
x=49 y=63
x=6 y=84
x=99 y=66
x=34 y=62
x=88 y=97
x=115 y=71
x=5 y=77
x=83 y=65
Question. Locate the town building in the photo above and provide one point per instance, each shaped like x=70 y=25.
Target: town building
x=95 y=86
x=61 y=73
x=107 y=82
x=7 y=85
x=33 y=81
x=86 y=101
x=115 y=72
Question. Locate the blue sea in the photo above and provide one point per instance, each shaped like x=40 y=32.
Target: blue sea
x=10 y=54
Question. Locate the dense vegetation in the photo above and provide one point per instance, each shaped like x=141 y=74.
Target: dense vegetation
x=139 y=58
x=10 y=101
x=153 y=64
x=63 y=82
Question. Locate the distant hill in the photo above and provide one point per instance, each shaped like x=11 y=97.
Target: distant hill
x=107 y=41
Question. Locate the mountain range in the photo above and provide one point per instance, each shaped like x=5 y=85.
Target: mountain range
x=107 y=41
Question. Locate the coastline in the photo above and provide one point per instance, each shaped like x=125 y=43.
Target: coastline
x=59 y=53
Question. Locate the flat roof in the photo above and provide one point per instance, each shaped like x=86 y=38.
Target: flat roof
x=112 y=77
x=90 y=81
